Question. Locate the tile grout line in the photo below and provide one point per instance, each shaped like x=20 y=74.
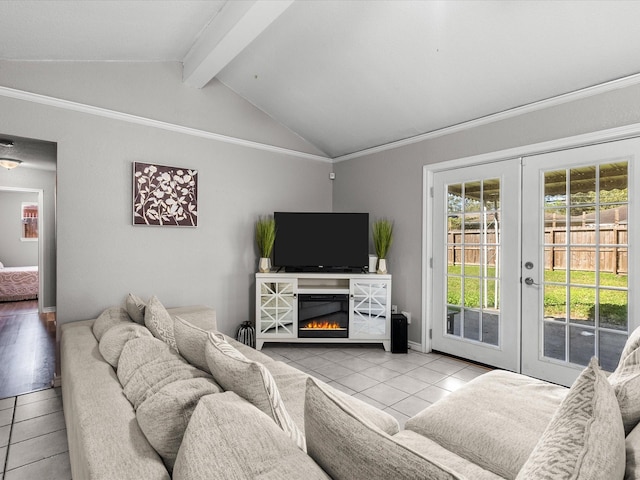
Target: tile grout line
x=6 y=458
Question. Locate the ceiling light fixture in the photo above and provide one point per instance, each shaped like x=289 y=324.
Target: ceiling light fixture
x=9 y=163
x=6 y=143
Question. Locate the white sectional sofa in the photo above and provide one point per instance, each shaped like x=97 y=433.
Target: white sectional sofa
x=151 y=393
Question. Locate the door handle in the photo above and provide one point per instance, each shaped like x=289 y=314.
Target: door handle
x=529 y=281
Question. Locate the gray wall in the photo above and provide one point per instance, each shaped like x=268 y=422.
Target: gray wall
x=389 y=184
x=40 y=180
x=13 y=251
x=101 y=255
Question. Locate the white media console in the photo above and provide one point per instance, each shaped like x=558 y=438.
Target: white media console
x=323 y=308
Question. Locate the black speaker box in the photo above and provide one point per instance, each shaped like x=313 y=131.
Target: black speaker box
x=399 y=337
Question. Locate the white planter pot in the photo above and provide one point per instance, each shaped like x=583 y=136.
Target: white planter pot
x=382 y=266
x=264 y=265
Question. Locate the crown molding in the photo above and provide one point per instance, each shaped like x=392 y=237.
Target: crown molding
x=149 y=122
x=513 y=112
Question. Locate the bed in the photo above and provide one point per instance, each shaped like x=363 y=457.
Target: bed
x=18 y=283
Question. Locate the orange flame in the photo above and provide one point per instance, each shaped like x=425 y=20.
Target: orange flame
x=322 y=325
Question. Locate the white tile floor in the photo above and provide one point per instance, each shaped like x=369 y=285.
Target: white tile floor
x=400 y=384
x=33 y=437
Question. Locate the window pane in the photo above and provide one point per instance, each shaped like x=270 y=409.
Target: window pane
x=472 y=196
x=555 y=334
x=583 y=301
x=454 y=198
x=613 y=182
x=582 y=344
x=612 y=309
x=582 y=185
x=555 y=188
x=555 y=302
x=491 y=194
x=471 y=324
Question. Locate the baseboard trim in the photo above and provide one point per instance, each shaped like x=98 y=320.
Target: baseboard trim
x=416 y=346
x=57 y=381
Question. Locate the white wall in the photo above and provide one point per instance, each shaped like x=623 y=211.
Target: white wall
x=102 y=256
x=13 y=251
x=389 y=184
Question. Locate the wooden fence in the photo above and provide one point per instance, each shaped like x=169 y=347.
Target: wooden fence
x=612 y=240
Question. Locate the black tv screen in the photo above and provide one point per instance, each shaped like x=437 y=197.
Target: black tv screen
x=310 y=241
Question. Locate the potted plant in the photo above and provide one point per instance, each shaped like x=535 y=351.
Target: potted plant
x=265 y=236
x=382 y=238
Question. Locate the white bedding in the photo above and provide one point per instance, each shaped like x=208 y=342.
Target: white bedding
x=18 y=283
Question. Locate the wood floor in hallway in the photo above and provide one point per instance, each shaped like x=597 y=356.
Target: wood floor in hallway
x=27 y=348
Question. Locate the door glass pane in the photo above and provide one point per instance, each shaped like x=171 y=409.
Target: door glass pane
x=555 y=340
x=555 y=188
x=473 y=261
x=583 y=252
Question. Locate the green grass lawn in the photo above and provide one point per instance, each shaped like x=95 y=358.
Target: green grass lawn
x=613 y=303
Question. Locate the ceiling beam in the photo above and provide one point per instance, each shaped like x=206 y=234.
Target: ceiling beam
x=235 y=27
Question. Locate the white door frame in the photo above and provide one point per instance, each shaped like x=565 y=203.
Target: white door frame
x=601 y=136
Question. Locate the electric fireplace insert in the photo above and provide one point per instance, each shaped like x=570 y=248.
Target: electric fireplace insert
x=323 y=315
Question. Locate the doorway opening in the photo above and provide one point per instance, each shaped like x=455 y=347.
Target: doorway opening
x=27 y=265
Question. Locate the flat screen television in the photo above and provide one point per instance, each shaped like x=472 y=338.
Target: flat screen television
x=316 y=242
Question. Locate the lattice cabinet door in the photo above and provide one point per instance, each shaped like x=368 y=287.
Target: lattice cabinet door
x=370 y=309
x=277 y=308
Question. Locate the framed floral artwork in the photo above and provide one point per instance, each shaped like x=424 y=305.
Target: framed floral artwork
x=164 y=195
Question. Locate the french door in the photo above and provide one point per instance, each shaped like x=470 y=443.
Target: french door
x=579 y=234
x=475 y=249
x=532 y=259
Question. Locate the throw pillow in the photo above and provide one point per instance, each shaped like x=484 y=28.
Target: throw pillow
x=585 y=438
x=135 y=308
x=159 y=322
x=227 y=437
x=107 y=319
x=626 y=382
x=632 y=443
x=191 y=341
x=164 y=416
x=251 y=380
x=147 y=365
x=114 y=340
x=348 y=446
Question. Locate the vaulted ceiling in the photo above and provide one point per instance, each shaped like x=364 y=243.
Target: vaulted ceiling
x=348 y=75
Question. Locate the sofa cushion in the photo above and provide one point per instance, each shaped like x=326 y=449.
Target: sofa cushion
x=159 y=322
x=105 y=441
x=632 y=447
x=163 y=417
x=251 y=380
x=347 y=446
x=107 y=319
x=229 y=438
x=191 y=341
x=135 y=307
x=585 y=439
x=626 y=381
x=494 y=421
x=114 y=340
x=431 y=450
x=148 y=364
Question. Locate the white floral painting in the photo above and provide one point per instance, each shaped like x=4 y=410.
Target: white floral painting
x=164 y=195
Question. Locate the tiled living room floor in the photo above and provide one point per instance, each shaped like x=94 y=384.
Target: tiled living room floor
x=401 y=384
x=33 y=437
x=33 y=441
